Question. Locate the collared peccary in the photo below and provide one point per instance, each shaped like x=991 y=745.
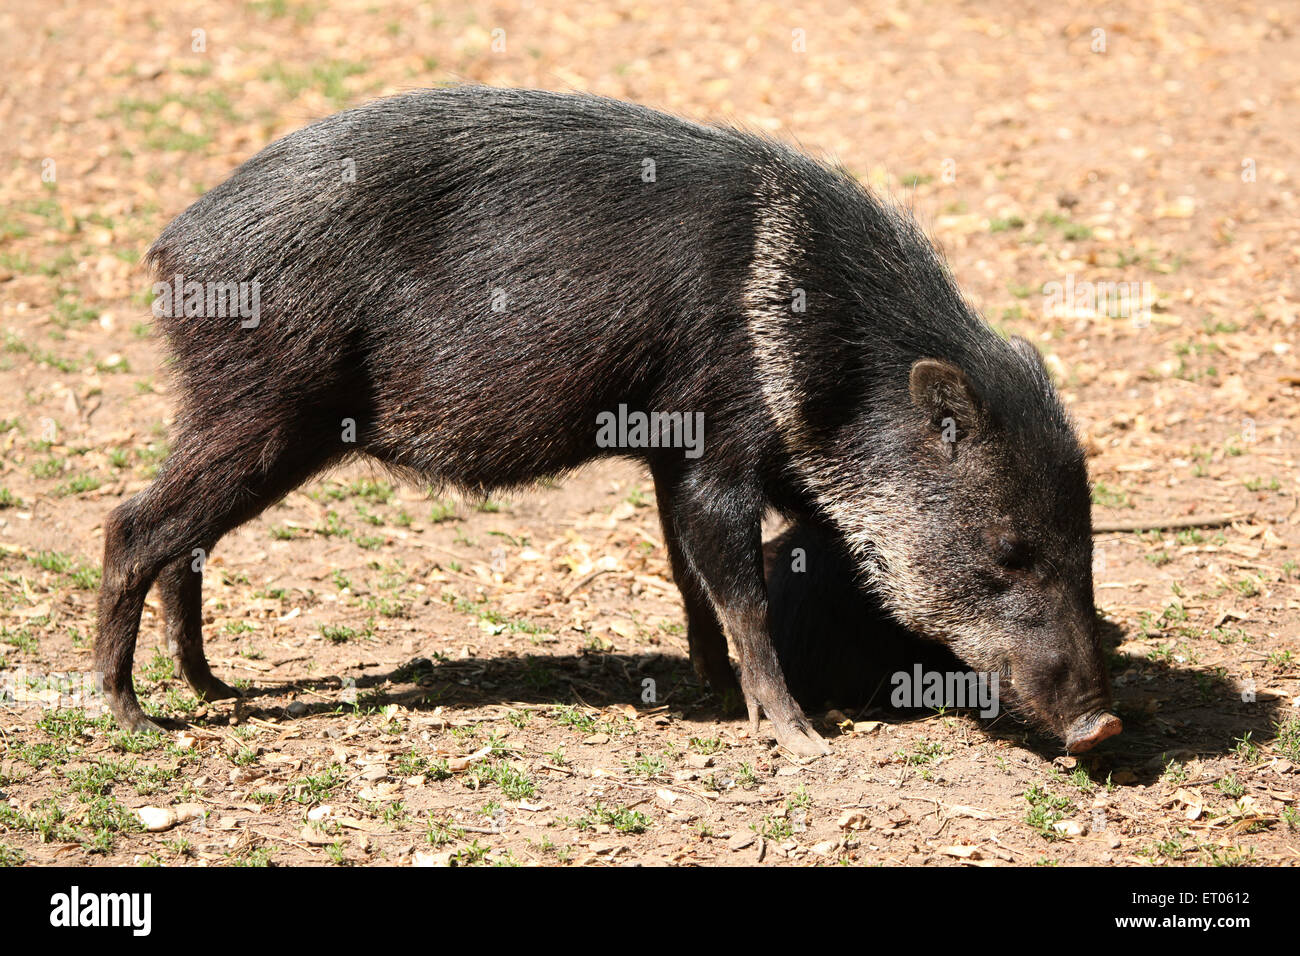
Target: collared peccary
x=461 y=283
x=839 y=646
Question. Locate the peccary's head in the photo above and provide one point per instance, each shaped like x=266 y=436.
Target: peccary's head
x=976 y=531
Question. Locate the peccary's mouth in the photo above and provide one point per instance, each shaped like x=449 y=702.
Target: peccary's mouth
x=1091 y=729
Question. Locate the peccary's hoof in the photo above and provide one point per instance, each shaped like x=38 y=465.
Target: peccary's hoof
x=130 y=717
x=802 y=742
x=796 y=735
x=143 y=725
x=1090 y=730
x=789 y=725
x=210 y=688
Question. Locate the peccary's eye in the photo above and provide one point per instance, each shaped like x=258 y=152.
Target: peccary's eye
x=1009 y=550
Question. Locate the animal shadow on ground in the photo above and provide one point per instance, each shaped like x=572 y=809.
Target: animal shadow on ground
x=1169 y=712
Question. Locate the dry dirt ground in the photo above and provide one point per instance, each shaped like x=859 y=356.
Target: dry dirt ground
x=446 y=681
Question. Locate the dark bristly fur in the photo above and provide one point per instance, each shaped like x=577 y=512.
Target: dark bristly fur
x=377 y=295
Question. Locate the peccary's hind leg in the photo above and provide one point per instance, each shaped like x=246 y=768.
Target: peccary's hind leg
x=180 y=586
x=704 y=634
x=121 y=599
x=219 y=476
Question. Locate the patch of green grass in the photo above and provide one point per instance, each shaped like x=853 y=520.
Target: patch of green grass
x=1170 y=849
x=515 y=784
x=260 y=857
x=746 y=779
x=999 y=224
x=1175 y=772
x=65 y=724
x=160 y=132
x=707 y=745
x=135 y=743
x=573 y=717
x=773 y=827
x=1071 y=231
x=1286 y=741
x=11 y=855
x=333 y=526
x=1227 y=855
x=50 y=467
x=376 y=492
x=117 y=366
x=471 y=855
x=1259 y=484
x=78 y=485
x=96 y=779
x=584 y=723
x=1247 y=750
x=45 y=820
x=316 y=788
x=69 y=312
x=328 y=77
x=1082 y=781
x=648 y=766
x=438 y=833
x=21 y=639
x=159 y=668
x=1045 y=810
x=442 y=511
x=923 y=752
x=415 y=765
x=368 y=516
x=622 y=819
x=341 y=634
x=99 y=820
x=1106 y=497
x=1230 y=786
x=300 y=13
x=53 y=561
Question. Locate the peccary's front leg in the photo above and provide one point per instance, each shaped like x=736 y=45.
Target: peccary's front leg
x=708 y=644
x=719 y=533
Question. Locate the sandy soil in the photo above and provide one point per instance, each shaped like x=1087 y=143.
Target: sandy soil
x=436 y=681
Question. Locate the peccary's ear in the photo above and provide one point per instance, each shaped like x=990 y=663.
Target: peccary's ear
x=945 y=395
x=1034 y=357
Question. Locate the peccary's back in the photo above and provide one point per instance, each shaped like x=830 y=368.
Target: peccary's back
x=471 y=260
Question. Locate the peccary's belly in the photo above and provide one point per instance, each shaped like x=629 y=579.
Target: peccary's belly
x=499 y=399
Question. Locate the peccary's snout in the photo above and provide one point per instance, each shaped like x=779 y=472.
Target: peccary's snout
x=1060 y=682
x=1090 y=730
